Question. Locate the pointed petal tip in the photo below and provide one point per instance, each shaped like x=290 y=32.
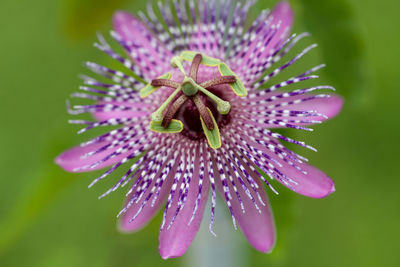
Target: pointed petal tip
x=283 y=9
x=266 y=247
x=60 y=161
x=57 y=160
x=339 y=101
x=283 y=4
x=175 y=241
x=331 y=107
x=125 y=228
x=121 y=228
x=63 y=162
x=329 y=190
x=269 y=251
x=121 y=18
x=332 y=189
x=121 y=15
x=170 y=253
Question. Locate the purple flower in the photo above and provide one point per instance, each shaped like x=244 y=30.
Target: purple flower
x=195 y=109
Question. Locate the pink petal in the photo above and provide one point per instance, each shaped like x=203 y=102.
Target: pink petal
x=175 y=241
x=106 y=115
x=315 y=183
x=328 y=106
x=132 y=29
x=281 y=15
x=148 y=211
x=259 y=228
x=71 y=159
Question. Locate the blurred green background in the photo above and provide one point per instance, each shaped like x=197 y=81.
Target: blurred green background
x=49 y=218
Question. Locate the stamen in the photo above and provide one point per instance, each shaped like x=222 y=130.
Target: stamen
x=203 y=112
x=195 y=67
x=165 y=82
x=218 y=81
x=173 y=109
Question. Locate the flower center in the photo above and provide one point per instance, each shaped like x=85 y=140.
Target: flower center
x=188 y=89
x=194 y=97
x=190 y=116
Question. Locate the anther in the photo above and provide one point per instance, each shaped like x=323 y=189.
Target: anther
x=173 y=109
x=203 y=112
x=218 y=81
x=164 y=82
x=195 y=66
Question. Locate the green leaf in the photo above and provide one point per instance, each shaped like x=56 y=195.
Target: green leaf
x=213 y=136
x=175 y=126
x=149 y=89
x=207 y=61
x=238 y=86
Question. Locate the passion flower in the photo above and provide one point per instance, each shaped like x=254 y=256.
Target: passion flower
x=195 y=109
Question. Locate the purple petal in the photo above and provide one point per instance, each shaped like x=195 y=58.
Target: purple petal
x=314 y=183
x=175 y=241
x=71 y=159
x=259 y=228
x=281 y=16
x=126 y=225
x=138 y=110
x=328 y=107
x=149 y=53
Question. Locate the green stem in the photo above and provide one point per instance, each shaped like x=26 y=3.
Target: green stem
x=158 y=114
x=177 y=63
x=223 y=106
